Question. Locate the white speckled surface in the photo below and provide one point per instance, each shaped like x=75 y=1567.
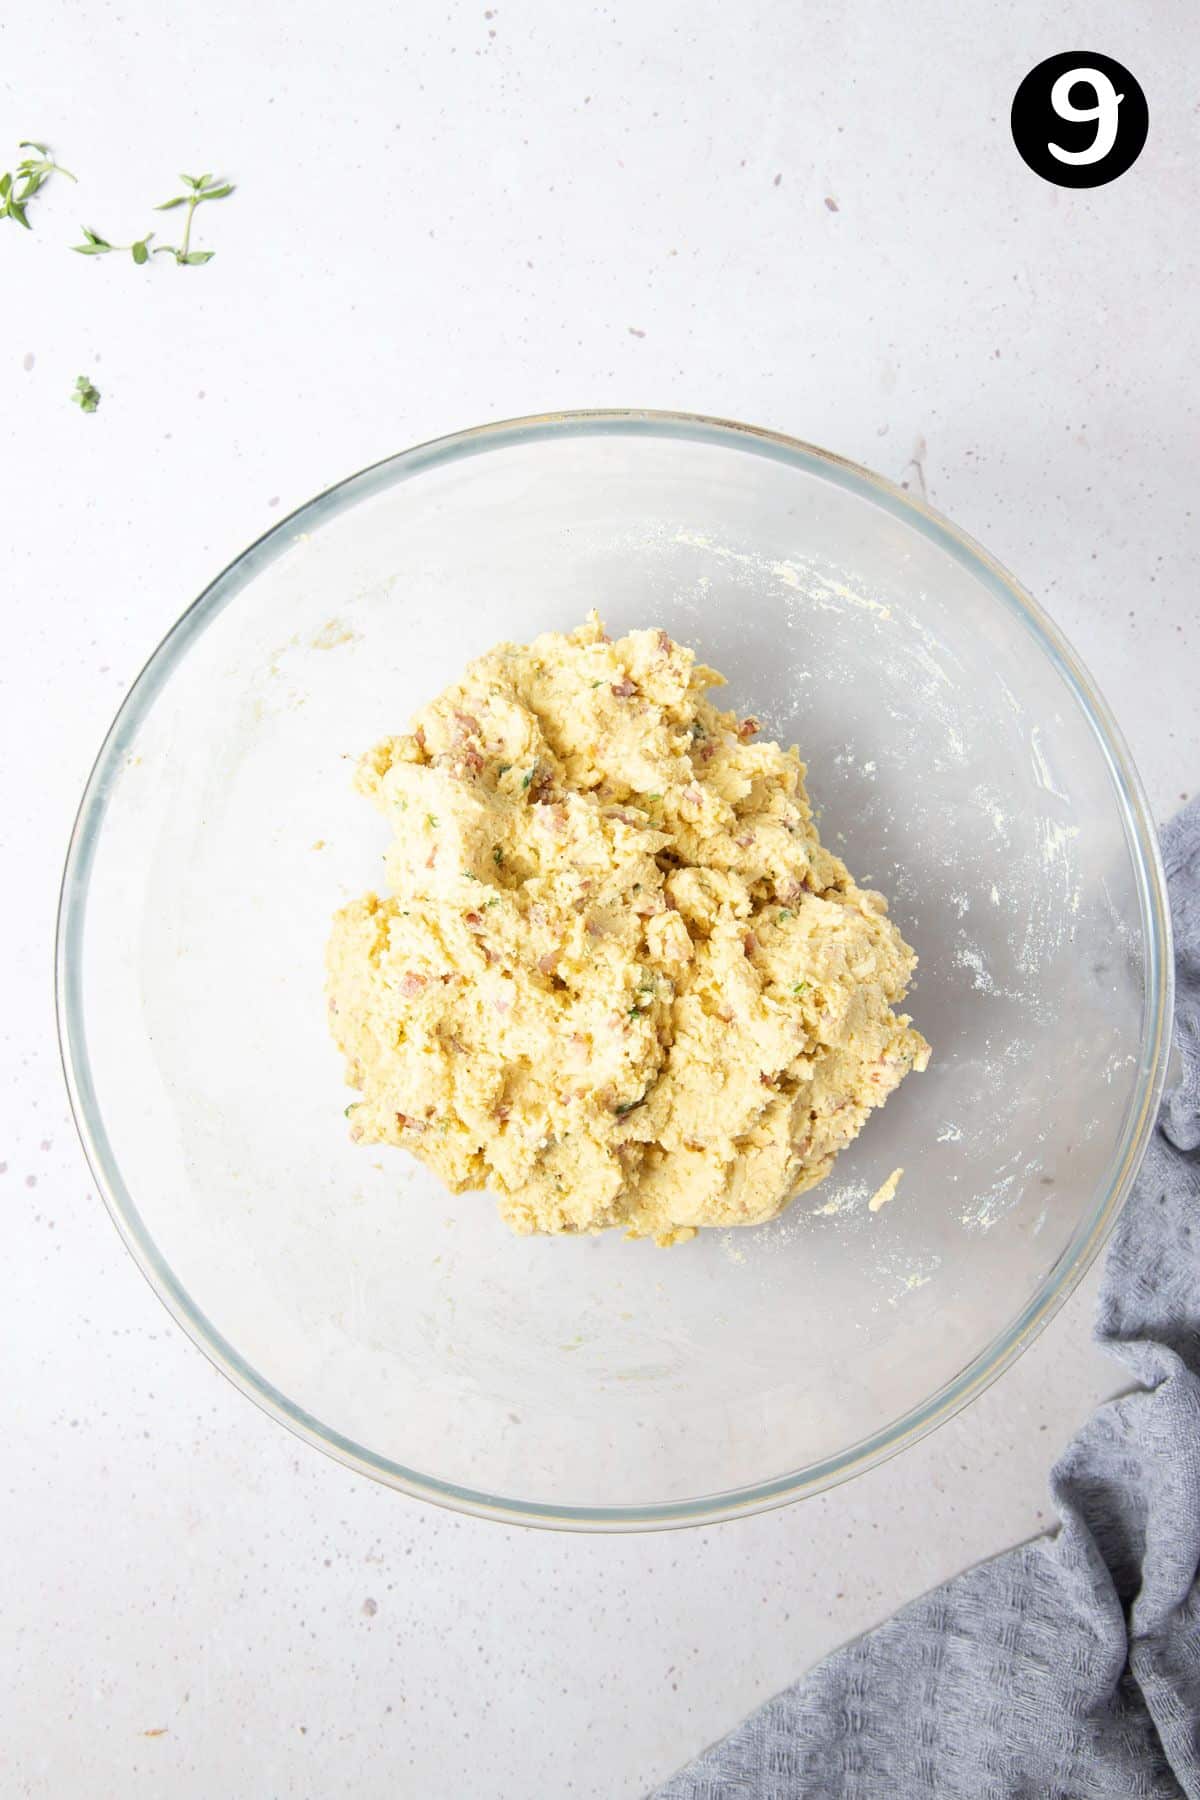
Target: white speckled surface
x=449 y=214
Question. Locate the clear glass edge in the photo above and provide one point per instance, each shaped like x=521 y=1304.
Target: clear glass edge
x=984 y=1368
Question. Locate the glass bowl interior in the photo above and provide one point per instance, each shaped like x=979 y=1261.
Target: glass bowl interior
x=959 y=760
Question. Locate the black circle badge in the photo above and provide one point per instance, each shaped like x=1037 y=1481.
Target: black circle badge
x=1079 y=119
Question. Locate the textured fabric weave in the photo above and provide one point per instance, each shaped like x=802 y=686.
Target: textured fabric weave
x=1068 y=1669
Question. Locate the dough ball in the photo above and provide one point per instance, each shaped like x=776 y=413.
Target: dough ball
x=617 y=979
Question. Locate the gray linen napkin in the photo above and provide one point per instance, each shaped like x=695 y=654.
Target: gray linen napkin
x=1068 y=1669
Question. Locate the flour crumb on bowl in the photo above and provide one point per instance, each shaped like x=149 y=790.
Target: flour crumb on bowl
x=887 y=1192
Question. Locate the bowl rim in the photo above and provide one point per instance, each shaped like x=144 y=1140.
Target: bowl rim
x=1141 y=839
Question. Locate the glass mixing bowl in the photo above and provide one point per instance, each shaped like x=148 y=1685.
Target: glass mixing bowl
x=961 y=761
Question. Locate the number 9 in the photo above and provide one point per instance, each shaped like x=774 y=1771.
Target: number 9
x=1104 y=112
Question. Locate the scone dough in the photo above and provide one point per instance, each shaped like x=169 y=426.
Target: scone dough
x=617 y=979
